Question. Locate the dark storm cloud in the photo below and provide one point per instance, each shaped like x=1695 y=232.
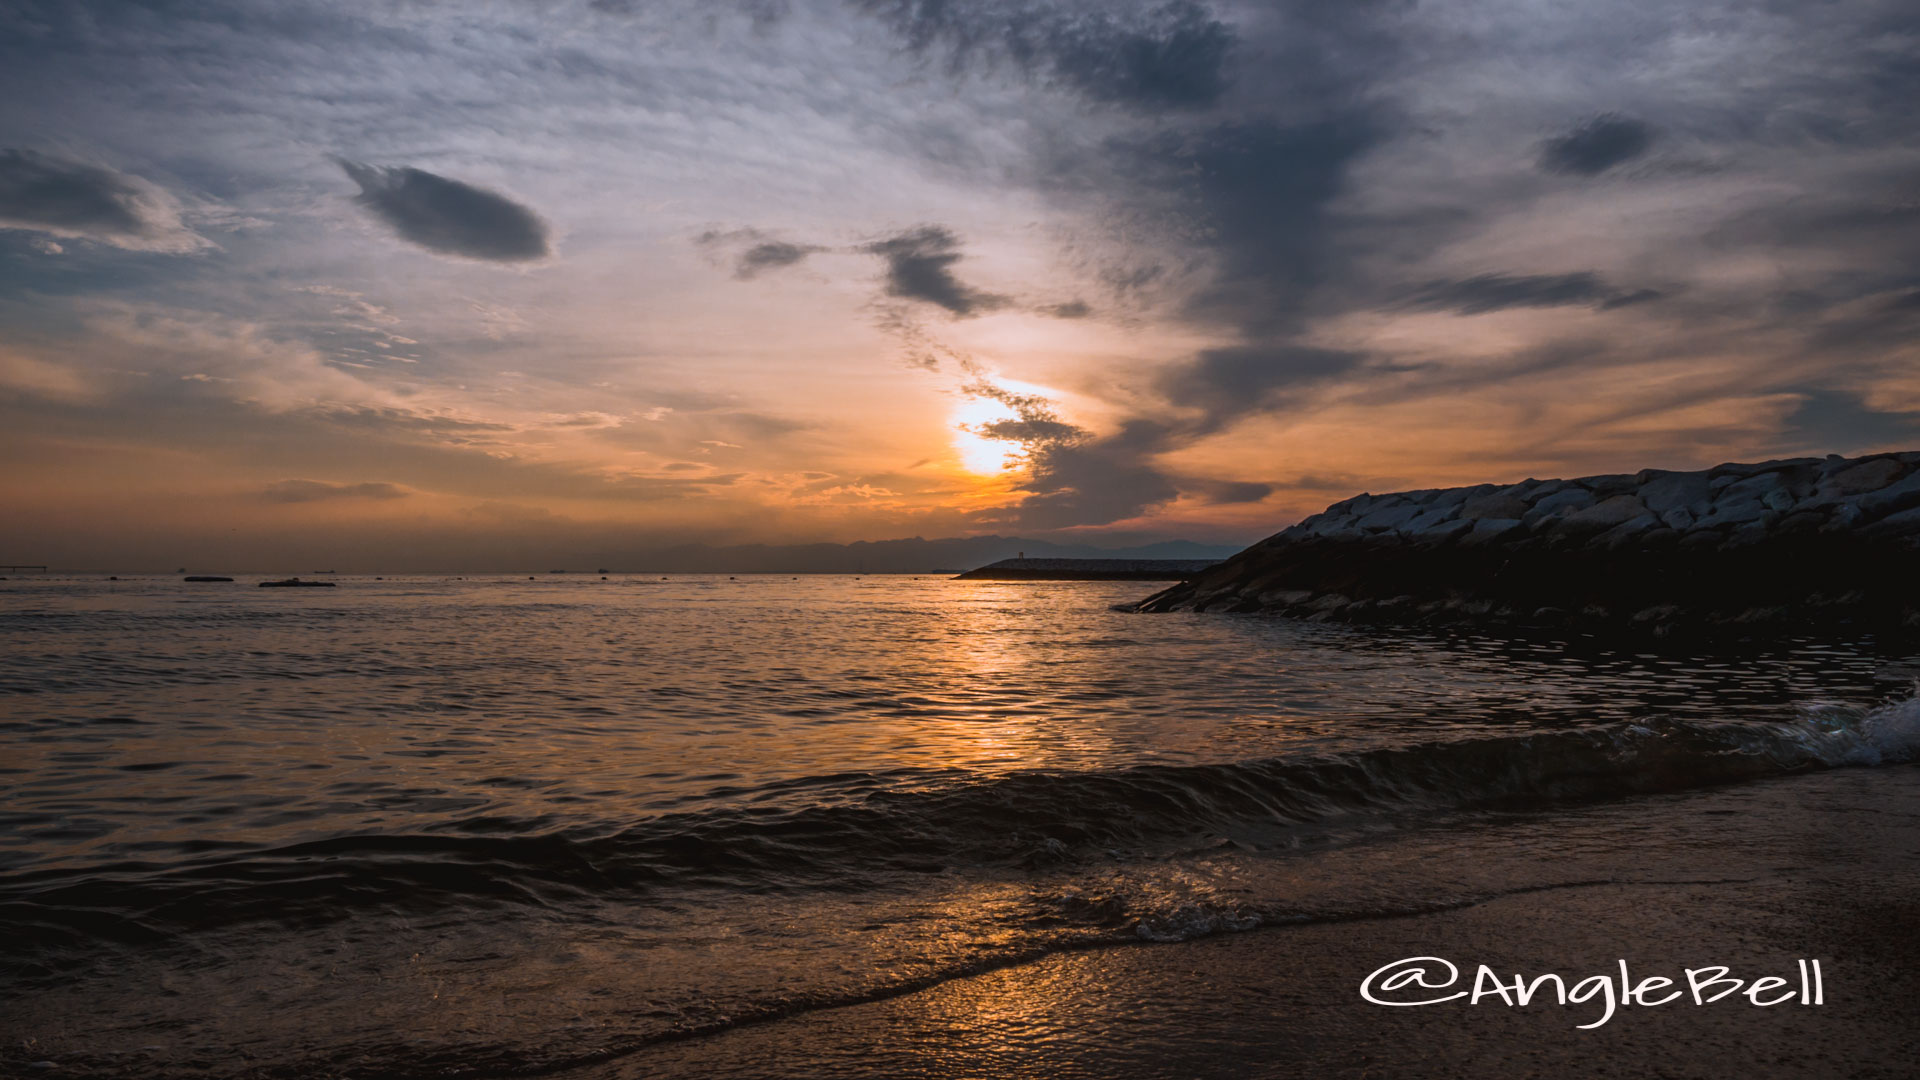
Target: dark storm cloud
x=1863 y=235
x=300 y=491
x=1256 y=196
x=1499 y=292
x=1098 y=480
x=920 y=267
x=1072 y=309
x=1836 y=421
x=1224 y=384
x=75 y=199
x=36 y=190
x=1253 y=199
x=448 y=216
x=1167 y=56
x=1087 y=480
x=1596 y=145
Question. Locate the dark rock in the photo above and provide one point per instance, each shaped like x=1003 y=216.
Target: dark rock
x=1773 y=545
x=1735 y=512
x=1674 y=491
x=1904 y=523
x=1389 y=517
x=1486 y=529
x=1627 y=531
x=1801 y=521
x=1891 y=499
x=1678 y=518
x=1870 y=475
x=1497 y=505
x=1611 y=484
x=1600 y=517
x=1756 y=487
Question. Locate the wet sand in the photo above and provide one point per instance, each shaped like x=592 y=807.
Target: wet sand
x=1832 y=872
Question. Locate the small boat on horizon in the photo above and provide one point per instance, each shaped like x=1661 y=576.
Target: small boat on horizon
x=296 y=583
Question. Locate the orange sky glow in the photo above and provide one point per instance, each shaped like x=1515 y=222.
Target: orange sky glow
x=496 y=288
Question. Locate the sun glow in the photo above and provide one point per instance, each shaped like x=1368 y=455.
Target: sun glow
x=980 y=453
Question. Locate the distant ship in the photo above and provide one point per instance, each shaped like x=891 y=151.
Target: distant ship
x=296 y=583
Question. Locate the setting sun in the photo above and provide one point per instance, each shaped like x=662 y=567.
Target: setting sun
x=980 y=449
x=979 y=453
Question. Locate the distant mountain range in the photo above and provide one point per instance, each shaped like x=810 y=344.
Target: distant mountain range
x=911 y=556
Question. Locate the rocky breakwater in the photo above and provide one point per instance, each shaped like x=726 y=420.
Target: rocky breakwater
x=1812 y=543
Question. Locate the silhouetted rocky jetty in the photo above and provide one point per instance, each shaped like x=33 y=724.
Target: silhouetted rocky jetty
x=1798 y=543
x=1091 y=570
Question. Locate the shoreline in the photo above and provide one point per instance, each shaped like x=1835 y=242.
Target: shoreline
x=1283 y=1000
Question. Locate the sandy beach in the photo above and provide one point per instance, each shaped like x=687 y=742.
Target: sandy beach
x=1825 y=866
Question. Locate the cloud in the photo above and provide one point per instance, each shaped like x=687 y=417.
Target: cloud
x=590 y=420
x=920 y=267
x=33 y=376
x=1099 y=480
x=79 y=201
x=440 y=426
x=1834 y=421
x=1255 y=197
x=1160 y=57
x=1226 y=383
x=1253 y=194
x=755 y=251
x=1084 y=479
x=1035 y=425
x=450 y=217
x=1230 y=492
x=1596 y=145
x=1075 y=478
x=1483 y=293
x=302 y=491
x=1030 y=432
x=772 y=255
x=231 y=357
x=1628 y=299
x=1234 y=215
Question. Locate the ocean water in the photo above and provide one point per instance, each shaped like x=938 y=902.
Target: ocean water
x=494 y=825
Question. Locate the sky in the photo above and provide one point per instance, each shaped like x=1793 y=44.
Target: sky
x=413 y=283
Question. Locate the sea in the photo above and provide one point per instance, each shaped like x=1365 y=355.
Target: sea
x=500 y=825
